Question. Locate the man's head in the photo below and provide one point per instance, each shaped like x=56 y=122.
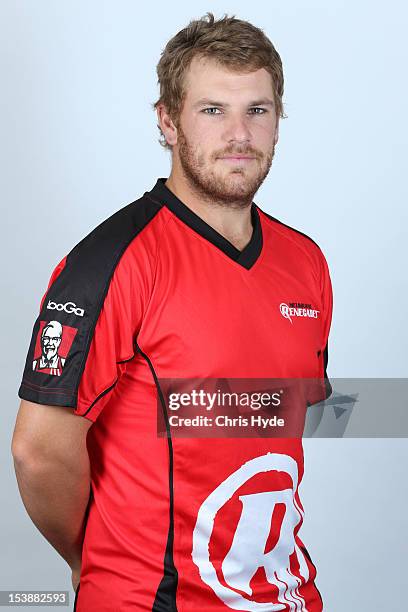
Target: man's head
x=221 y=87
x=51 y=339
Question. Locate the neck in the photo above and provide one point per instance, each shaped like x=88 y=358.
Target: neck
x=232 y=222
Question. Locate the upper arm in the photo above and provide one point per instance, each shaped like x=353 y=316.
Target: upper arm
x=86 y=329
x=48 y=432
x=85 y=333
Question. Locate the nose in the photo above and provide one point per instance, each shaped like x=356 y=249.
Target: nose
x=237 y=129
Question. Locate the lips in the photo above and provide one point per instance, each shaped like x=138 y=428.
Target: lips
x=237 y=157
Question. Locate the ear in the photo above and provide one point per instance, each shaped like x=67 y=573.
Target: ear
x=166 y=125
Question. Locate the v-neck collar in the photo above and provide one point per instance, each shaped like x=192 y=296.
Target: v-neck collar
x=246 y=258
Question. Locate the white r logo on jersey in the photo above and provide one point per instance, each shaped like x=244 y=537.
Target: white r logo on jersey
x=246 y=554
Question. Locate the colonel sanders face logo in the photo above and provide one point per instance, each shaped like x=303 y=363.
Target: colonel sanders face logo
x=51 y=339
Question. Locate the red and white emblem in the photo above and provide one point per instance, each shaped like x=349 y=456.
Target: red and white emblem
x=53 y=343
x=283 y=565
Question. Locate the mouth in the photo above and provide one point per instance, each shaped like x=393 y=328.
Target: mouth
x=237 y=158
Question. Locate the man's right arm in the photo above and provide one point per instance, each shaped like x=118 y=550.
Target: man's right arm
x=93 y=308
x=53 y=474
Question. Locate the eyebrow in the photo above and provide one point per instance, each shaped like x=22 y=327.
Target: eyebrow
x=210 y=102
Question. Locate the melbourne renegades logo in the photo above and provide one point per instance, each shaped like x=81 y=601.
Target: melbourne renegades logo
x=234 y=574
x=53 y=343
x=298 y=309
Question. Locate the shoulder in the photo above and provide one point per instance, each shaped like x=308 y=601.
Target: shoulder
x=94 y=259
x=109 y=240
x=117 y=253
x=294 y=240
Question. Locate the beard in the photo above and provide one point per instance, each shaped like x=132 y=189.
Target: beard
x=50 y=353
x=237 y=187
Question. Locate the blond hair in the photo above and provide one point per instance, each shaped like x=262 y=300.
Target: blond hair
x=234 y=43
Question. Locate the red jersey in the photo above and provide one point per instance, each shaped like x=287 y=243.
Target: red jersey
x=185 y=524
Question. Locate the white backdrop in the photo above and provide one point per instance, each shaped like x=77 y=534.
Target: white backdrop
x=79 y=141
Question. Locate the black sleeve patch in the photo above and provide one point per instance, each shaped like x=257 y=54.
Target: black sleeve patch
x=64 y=329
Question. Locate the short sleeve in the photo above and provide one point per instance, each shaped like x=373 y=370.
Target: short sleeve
x=90 y=315
x=85 y=332
x=326 y=314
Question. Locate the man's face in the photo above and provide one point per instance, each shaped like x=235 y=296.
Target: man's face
x=50 y=342
x=227 y=131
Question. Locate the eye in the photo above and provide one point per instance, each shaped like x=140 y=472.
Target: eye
x=255 y=110
x=209 y=111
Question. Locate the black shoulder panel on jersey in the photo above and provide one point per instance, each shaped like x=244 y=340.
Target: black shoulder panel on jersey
x=77 y=297
x=290 y=227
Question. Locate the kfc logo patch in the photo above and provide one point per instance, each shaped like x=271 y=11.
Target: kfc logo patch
x=53 y=343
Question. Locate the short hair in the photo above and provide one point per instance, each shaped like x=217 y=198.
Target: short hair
x=234 y=43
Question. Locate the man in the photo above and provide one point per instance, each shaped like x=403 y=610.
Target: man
x=193 y=280
x=50 y=362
